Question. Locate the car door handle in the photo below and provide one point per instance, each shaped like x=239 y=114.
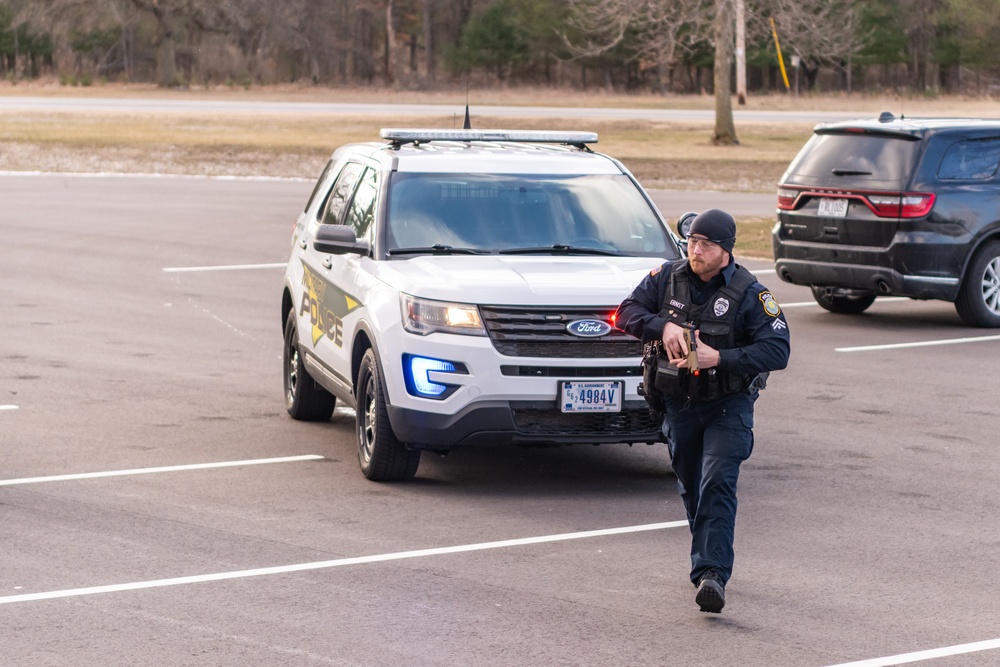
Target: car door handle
x=327 y=263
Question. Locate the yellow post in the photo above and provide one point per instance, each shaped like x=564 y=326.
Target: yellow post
x=781 y=61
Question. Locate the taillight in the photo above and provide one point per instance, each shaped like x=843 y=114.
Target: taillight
x=907 y=205
x=786 y=198
x=917 y=205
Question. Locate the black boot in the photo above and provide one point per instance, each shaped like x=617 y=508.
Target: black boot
x=711 y=595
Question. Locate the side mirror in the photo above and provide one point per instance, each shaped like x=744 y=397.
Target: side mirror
x=338 y=240
x=684 y=223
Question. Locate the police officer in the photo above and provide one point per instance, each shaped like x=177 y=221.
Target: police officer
x=740 y=335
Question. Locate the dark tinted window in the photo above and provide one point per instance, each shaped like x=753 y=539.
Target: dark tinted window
x=362 y=211
x=971 y=159
x=341 y=193
x=878 y=157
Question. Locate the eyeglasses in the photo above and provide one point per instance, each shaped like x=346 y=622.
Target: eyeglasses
x=705 y=244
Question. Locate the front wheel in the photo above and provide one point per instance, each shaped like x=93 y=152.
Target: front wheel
x=382 y=456
x=978 y=302
x=304 y=399
x=843 y=302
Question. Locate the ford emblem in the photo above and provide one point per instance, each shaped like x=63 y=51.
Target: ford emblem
x=588 y=328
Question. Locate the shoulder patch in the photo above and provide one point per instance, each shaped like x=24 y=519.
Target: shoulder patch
x=770 y=305
x=656 y=270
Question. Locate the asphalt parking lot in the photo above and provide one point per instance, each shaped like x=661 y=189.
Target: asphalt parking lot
x=159 y=507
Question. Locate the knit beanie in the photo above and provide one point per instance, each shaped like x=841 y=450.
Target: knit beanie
x=717 y=226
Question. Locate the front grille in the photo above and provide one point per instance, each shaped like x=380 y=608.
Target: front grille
x=541 y=332
x=541 y=422
x=571 y=371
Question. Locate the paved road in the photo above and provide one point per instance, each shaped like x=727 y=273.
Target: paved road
x=867 y=520
x=268 y=107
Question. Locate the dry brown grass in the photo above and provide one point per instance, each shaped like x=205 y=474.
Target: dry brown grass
x=673 y=155
x=662 y=154
x=753 y=238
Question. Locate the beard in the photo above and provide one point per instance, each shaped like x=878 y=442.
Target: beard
x=700 y=266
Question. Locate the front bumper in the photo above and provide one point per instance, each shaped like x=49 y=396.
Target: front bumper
x=535 y=423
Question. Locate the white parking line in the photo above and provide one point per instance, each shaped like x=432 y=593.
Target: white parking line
x=360 y=560
x=147 y=471
x=925 y=343
x=230 y=267
x=929 y=654
x=8 y=407
x=118 y=174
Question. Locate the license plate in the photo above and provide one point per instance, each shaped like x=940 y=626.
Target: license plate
x=833 y=208
x=591 y=396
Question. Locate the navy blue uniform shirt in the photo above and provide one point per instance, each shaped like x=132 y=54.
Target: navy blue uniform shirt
x=759 y=319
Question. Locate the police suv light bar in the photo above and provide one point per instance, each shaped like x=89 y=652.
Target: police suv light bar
x=536 y=136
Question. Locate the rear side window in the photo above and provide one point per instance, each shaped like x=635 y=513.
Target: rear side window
x=362 y=211
x=341 y=193
x=866 y=156
x=971 y=159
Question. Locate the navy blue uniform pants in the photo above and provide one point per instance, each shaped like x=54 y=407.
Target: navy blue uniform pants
x=708 y=441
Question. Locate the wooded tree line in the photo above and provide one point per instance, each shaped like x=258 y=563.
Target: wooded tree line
x=657 y=45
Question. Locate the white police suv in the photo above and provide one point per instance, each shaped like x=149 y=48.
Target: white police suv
x=458 y=287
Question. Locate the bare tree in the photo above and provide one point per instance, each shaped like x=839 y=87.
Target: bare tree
x=390 y=43
x=654 y=29
x=820 y=32
x=429 y=41
x=920 y=26
x=725 y=127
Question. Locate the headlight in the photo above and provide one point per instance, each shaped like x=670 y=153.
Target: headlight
x=421 y=316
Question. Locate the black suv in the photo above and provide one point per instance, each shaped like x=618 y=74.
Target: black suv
x=893 y=206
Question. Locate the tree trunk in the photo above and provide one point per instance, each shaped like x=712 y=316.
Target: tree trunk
x=725 y=129
x=166 y=57
x=431 y=63
x=464 y=13
x=390 y=44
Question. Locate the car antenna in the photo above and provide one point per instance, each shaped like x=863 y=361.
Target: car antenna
x=468 y=121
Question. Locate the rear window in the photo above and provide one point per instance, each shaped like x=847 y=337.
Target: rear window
x=865 y=156
x=971 y=159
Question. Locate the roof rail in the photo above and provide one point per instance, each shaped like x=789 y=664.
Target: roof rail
x=401 y=136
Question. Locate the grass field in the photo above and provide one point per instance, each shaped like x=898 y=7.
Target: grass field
x=669 y=155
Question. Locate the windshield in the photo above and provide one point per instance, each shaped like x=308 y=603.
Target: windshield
x=495 y=213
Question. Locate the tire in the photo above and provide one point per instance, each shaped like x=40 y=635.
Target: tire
x=978 y=302
x=382 y=456
x=304 y=399
x=843 y=304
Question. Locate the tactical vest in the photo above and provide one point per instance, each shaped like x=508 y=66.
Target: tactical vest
x=716 y=322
